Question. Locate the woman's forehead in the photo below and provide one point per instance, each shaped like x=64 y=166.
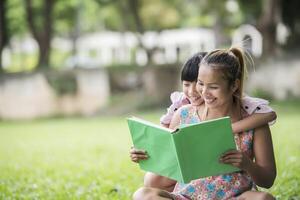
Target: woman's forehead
x=209 y=74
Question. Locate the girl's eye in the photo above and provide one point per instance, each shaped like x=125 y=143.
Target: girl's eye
x=214 y=88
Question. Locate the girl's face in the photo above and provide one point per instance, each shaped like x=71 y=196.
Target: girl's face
x=213 y=87
x=189 y=89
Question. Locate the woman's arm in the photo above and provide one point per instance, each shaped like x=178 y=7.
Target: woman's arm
x=263 y=169
x=253 y=121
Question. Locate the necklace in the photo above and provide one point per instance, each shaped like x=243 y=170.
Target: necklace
x=204 y=113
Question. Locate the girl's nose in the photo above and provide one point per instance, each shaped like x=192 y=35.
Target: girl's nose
x=192 y=89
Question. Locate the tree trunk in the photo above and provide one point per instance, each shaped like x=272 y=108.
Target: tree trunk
x=43 y=34
x=291 y=18
x=267 y=25
x=3 y=30
x=134 y=10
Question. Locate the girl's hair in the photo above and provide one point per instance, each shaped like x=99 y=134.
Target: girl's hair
x=231 y=62
x=190 y=69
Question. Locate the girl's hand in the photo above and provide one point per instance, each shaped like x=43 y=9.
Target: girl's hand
x=136 y=155
x=236 y=158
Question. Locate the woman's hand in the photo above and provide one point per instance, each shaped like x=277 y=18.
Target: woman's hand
x=236 y=158
x=136 y=155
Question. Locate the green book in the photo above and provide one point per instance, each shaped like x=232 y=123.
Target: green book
x=188 y=153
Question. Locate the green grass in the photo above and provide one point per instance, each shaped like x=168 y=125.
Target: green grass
x=88 y=158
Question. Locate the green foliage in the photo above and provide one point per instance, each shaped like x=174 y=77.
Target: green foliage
x=22 y=62
x=262 y=94
x=88 y=158
x=251 y=10
x=65 y=16
x=111 y=18
x=158 y=15
x=58 y=58
x=16 y=16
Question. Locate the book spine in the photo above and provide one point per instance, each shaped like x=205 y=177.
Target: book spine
x=181 y=178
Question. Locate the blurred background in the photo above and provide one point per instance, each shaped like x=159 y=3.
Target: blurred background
x=72 y=71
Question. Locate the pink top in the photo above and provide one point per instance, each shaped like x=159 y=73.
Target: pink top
x=250 y=104
x=178 y=99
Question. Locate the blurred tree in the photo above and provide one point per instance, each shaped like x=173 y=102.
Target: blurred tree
x=291 y=18
x=221 y=16
x=130 y=14
x=217 y=10
x=266 y=15
x=39 y=18
x=67 y=20
x=3 y=29
x=140 y=15
x=267 y=23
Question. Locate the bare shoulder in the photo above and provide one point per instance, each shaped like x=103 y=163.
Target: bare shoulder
x=200 y=108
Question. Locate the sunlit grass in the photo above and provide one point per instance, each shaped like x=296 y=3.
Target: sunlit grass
x=88 y=158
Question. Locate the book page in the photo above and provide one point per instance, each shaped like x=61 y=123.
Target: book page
x=150 y=123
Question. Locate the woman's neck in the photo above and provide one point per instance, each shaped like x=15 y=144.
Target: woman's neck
x=229 y=109
x=225 y=110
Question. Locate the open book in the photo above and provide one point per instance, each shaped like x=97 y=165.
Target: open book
x=188 y=153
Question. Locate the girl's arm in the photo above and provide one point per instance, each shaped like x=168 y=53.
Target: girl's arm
x=253 y=121
x=263 y=169
x=175 y=122
x=178 y=99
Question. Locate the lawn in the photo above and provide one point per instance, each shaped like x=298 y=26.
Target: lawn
x=87 y=158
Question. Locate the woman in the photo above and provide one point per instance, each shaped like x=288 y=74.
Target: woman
x=220 y=84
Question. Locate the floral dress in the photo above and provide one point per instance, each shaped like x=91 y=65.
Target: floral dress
x=226 y=186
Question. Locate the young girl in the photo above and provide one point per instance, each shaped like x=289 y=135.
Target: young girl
x=189 y=73
x=220 y=84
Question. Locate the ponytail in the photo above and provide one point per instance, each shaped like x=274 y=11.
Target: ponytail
x=242 y=69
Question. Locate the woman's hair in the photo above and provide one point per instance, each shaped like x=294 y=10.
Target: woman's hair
x=231 y=63
x=190 y=69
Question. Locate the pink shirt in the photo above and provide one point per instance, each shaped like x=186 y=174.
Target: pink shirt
x=250 y=104
x=178 y=99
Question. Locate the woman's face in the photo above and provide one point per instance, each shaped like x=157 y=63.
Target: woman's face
x=213 y=87
x=189 y=89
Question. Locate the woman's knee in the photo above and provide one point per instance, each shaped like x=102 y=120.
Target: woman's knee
x=255 y=195
x=151 y=180
x=266 y=196
x=143 y=193
x=157 y=181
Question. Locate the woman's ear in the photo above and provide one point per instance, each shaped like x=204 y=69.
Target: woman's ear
x=235 y=85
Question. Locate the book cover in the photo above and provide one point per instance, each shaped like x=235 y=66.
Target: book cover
x=189 y=153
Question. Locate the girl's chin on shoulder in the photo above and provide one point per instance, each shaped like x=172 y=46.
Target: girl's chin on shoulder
x=197 y=103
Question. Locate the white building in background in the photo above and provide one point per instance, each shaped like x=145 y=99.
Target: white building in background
x=106 y=48
x=248 y=37
x=180 y=44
